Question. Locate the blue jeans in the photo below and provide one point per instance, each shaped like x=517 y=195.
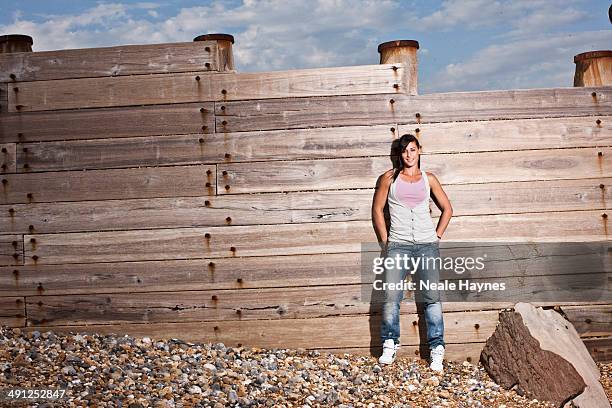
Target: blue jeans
x=430 y=299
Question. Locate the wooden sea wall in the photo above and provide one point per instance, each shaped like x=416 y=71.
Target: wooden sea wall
x=146 y=191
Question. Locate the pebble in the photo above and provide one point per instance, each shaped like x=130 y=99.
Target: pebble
x=122 y=371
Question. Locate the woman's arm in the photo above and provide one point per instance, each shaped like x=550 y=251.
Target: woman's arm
x=442 y=202
x=378 y=205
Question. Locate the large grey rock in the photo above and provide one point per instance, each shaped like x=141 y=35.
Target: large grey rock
x=540 y=352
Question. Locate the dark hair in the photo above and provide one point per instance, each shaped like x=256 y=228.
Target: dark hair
x=400 y=145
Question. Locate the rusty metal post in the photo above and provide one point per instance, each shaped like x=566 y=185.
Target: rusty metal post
x=404 y=52
x=15 y=43
x=593 y=68
x=225 y=56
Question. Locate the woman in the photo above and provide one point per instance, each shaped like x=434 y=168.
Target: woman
x=407 y=190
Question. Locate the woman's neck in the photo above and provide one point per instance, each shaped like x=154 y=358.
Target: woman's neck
x=411 y=171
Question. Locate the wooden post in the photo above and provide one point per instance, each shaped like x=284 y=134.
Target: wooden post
x=405 y=52
x=224 y=49
x=593 y=68
x=15 y=43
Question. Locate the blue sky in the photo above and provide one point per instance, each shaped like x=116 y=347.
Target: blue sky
x=466 y=45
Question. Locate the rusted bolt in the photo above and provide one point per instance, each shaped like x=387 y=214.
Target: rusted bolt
x=207 y=235
x=211 y=264
x=394 y=68
x=13 y=77
x=11 y=211
x=227 y=155
x=594 y=94
x=207 y=49
x=418 y=115
x=202 y=110
x=201 y=140
x=239 y=280
x=224 y=122
x=29 y=195
x=224 y=173
x=469 y=359
x=40 y=303
x=26 y=166
x=18 y=107
x=19 y=134
x=396 y=86
x=223 y=108
x=16 y=256
x=233 y=249
x=25 y=149
x=391 y=101
x=14 y=243
x=417 y=130
x=598 y=121
x=4 y=181
x=216 y=328
x=214 y=297
x=3 y=166
x=604 y=215
x=204 y=127
x=35 y=257
x=600 y=154
x=197 y=78
x=30 y=227
x=588 y=321
x=223 y=91
x=207 y=65
x=207 y=203
x=477 y=326
x=207 y=184
x=4 y=150
x=208 y=172
x=392 y=130
x=238 y=311
x=228 y=219
x=414 y=323
x=227 y=187
x=602 y=186
x=15 y=272
x=16 y=89
x=33 y=240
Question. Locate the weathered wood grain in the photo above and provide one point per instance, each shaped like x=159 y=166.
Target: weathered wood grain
x=198 y=87
x=109 y=61
x=12 y=311
x=287 y=303
x=209 y=148
x=293 y=239
x=108 y=122
x=352 y=141
x=462 y=168
x=3 y=98
x=11 y=249
x=295 y=207
x=8 y=162
x=108 y=184
x=368 y=110
x=600 y=348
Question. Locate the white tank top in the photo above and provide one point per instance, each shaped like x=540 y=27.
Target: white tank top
x=410 y=225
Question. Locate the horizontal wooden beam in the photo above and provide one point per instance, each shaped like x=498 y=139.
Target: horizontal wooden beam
x=108 y=184
x=8 y=158
x=12 y=311
x=199 y=87
x=352 y=141
x=190 y=118
x=363 y=172
x=294 y=239
x=109 y=61
x=11 y=249
x=369 y=110
x=294 y=207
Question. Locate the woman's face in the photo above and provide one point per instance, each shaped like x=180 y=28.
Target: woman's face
x=410 y=156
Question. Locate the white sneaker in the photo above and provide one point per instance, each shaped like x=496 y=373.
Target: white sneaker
x=437 y=356
x=389 y=352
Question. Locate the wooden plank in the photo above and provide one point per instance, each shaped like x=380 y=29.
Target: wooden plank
x=108 y=184
x=209 y=148
x=594 y=321
x=317 y=112
x=12 y=311
x=294 y=239
x=600 y=348
x=198 y=87
x=295 y=207
x=108 y=122
x=489 y=167
x=8 y=158
x=518 y=134
x=3 y=97
x=291 y=303
x=357 y=331
x=109 y=61
x=11 y=250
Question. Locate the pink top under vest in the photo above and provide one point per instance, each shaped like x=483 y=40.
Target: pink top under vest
x=411 y=194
